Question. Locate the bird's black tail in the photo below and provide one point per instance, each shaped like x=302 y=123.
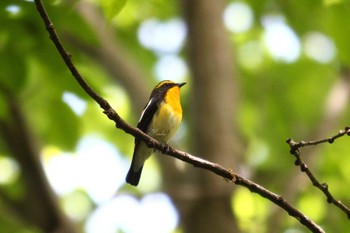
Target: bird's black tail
x=133 y=177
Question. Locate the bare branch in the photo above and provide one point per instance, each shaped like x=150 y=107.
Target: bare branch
x=295 y=150
x=166 y=149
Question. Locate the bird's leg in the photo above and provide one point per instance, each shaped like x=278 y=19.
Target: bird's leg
x=165 y=147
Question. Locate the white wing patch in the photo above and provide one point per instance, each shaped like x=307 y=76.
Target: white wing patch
x=144 y=110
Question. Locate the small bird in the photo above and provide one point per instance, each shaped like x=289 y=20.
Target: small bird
x=160 y=119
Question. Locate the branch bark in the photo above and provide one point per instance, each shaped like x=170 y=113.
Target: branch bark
x=111 y=54
x=295 y=150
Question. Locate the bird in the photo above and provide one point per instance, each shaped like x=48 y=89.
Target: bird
x=160 y=119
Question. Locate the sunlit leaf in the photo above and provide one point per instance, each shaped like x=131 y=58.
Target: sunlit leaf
x=313 y=206
x=111 y=8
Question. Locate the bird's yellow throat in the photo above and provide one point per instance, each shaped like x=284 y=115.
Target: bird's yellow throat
x=172 y=98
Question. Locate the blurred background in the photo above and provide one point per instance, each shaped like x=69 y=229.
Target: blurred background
x=257 y=73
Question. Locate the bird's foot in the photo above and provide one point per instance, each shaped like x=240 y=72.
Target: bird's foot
x=165 y=148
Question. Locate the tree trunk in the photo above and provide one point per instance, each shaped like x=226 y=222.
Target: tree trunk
x=204 y=200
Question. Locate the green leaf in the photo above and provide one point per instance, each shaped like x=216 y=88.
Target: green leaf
x=111 y=8
x=12 y=69
x=64 y=126
x=331 y=2
x=3 y=108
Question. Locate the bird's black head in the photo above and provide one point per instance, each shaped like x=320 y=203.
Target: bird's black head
x=162 y=87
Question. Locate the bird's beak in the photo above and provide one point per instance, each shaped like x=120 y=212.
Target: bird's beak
x=181 y=84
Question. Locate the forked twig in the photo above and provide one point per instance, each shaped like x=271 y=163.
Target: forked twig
x=295 y=150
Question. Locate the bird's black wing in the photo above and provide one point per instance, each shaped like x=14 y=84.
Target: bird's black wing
x=147 y=116
x=133 y=177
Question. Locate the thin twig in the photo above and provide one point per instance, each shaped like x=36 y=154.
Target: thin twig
x=166 y=149
x=295 y=150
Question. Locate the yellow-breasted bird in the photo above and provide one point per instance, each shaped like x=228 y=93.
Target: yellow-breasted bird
x=160 y=119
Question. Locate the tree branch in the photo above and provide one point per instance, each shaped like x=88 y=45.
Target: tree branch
x=164 y=148
x=115 y=59
x=335 y=105
x=295 y=150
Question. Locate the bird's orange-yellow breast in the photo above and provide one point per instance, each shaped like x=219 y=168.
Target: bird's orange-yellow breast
x=168 y=118
x=172 y=98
